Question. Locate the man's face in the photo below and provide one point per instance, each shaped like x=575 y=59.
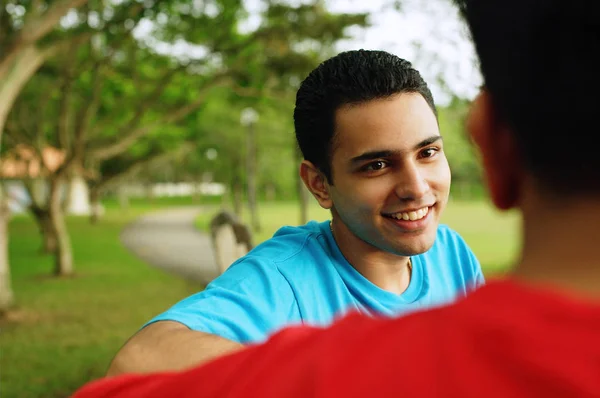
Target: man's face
x=391 y=179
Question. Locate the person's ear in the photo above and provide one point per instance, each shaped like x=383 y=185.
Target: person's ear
x=499 y=152
x=316 y=182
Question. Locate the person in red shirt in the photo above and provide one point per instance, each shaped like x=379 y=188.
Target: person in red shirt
x=533 y=334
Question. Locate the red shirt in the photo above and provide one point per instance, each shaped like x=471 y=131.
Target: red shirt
x=504 y=340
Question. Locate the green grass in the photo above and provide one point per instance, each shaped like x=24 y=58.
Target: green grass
x=493 y=236
x=64 y=332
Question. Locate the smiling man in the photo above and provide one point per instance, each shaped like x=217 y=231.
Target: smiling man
x=390 y=184
x=367 y=127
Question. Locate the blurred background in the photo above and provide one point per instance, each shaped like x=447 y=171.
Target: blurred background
x=126 y=125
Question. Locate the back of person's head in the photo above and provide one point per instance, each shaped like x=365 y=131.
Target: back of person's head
x=352 y=77
x=541 y=68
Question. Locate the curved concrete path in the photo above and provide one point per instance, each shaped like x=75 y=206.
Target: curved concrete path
x=169 y=240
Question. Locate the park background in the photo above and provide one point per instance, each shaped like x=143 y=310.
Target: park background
x=115 y=110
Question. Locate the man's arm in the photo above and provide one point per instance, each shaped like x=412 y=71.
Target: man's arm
x=167 y=345
x=243 y=305
x=358 y=356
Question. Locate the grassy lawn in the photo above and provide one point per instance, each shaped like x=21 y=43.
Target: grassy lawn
x=64 y=332
x=491 y=235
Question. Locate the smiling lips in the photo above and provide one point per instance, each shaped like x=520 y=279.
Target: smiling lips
x=413 y=215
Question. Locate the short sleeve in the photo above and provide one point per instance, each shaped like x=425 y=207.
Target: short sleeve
x=479 y=280
x=464 y=265
x=245 y=304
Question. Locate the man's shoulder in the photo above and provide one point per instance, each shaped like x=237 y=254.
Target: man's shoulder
x=448 y=234
x=449 y=240
x=290 y=244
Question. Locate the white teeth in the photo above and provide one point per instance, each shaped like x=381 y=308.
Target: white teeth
x=411 y=215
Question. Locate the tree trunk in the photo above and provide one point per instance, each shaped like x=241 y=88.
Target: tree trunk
x=238 y=202
x=270 y=192
x=6 y=293
x=50 y=241
x=94 y=205
x=68 y=199
x=39 y=210
x=150 y=192
x=123 y=198
x=63 y=265
x=196 y=196
x=302 y=192
x=251 y=179
x=39 y=192
x=42 y=217
x=16 y=73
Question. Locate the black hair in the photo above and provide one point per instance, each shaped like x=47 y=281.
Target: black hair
x=351 y=77
x=540 y=64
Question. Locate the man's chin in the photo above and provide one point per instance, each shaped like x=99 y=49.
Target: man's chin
x=415 y=247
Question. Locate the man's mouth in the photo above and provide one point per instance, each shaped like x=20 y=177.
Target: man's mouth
x=410 y=215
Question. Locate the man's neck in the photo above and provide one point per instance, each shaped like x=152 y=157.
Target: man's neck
x=561 y=247
x=386 y=270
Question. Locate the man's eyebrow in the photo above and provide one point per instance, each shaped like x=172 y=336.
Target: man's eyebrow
x=428 y=141
x=372 y=155
x=386 y=153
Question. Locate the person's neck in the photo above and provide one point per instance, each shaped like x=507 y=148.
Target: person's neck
x=561 y=246
x=388 y=271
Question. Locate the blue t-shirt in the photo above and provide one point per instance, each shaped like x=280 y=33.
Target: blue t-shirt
x=301 y=276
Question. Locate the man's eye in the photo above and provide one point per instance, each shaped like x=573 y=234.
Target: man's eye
x=374 y=166
x=429 y=152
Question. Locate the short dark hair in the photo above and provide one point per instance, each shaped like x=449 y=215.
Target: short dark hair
x=540 y=63
x=351 y=77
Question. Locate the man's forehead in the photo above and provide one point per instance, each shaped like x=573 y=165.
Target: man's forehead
x=397 y=124
x=375 y=141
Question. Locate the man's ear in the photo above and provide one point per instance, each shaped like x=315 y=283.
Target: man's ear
x=499 y=152
x=316 y=182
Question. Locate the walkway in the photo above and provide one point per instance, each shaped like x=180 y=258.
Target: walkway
x=169 y=240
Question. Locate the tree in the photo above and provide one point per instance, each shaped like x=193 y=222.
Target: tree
x=107 y=95
x=23 y=49
x=116 y=90
x=22 y=44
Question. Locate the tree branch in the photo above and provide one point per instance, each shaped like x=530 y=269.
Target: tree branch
x=14 y=137
x=34 y=206
x=64 y=115
x=130 y=137
x=20 y=70
x=88 y=111
x=143 y=105
x=35 y=28
x=139 y=166
x=23 y=121
x=149 y=101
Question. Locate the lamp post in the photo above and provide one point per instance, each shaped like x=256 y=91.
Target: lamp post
x=248 y=119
